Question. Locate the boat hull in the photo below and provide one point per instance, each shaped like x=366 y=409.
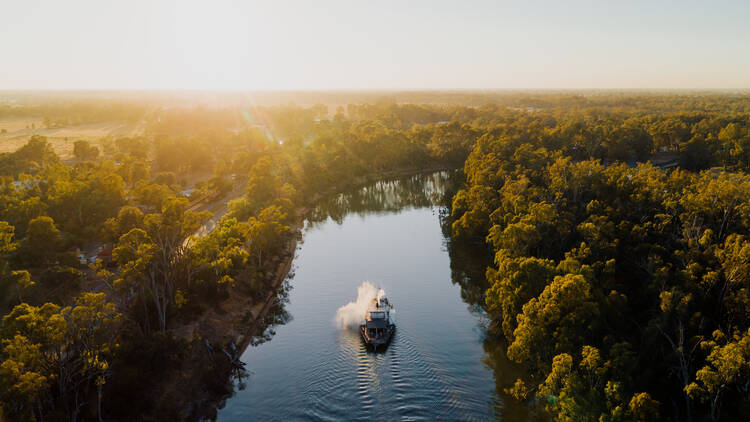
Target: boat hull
x=380 y=341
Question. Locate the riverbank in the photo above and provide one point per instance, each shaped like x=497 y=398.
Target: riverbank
x=220 y=336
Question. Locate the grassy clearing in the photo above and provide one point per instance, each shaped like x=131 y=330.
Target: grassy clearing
x=17 y=132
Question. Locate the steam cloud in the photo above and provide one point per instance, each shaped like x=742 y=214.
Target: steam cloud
x=353 y=313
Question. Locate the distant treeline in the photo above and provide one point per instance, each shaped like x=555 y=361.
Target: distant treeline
x=77 y=113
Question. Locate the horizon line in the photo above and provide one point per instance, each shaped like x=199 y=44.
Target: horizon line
x=373 y=90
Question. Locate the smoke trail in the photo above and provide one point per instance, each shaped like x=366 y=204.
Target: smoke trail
x=353 y=313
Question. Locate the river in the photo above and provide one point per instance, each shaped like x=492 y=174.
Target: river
x=440 y=364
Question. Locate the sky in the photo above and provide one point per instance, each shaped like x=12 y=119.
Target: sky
x=322 y=44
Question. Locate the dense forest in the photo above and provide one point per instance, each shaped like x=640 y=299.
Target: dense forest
x=618 y=223
x=622 y=285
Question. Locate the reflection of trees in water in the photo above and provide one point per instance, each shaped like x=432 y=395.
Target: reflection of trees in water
x=275 y=316
x=505 y=373
x=264 y=331
x=468 y=263
x=418 y=191
x=468 y=260
x=265 y=328
x=261 y=332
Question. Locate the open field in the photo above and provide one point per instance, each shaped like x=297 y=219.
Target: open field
x=17 y=132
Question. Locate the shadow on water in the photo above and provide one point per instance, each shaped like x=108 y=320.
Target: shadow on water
x=468 y=264
x=277 y=315
x=262 y=332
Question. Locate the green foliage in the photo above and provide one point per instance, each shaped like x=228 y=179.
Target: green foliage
x=34 y=157
x=152 y=195
x=54 y=357
x=43 y=242
x=561 y=317
x=155 y=261
x=83 y=150
x=514 y=283
x=471 y=211
x=727 y=364
x=267 y=231
x=628 y=259
x=10 y=279
x=82 y=203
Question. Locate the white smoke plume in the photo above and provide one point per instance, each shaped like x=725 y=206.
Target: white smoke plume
x=353 y=313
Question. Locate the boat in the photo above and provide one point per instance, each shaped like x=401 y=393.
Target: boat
x=378 y=326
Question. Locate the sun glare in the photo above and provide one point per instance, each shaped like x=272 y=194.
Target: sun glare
x=215 y=46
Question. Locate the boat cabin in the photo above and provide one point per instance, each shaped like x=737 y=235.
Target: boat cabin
x=378 y=327
x=378 y=317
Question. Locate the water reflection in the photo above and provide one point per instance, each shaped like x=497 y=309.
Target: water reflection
x=208 y=407
x=469 y=262
x=277 y=315
x=390 y=196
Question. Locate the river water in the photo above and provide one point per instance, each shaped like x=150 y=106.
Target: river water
x=440 y=364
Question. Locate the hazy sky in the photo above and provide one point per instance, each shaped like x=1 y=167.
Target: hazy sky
x=321 y=44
